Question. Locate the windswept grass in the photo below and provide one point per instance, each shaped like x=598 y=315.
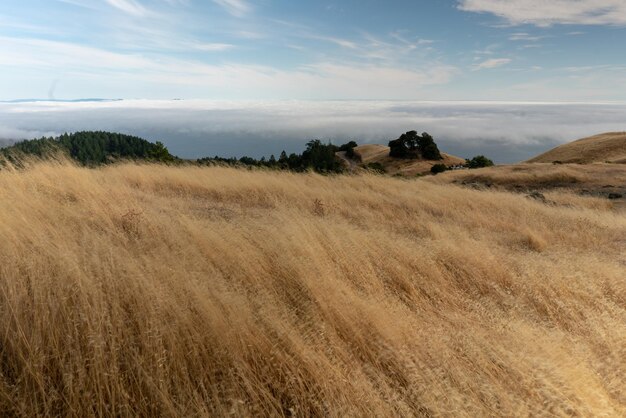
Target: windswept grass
x=143 y=290
x=532 y=176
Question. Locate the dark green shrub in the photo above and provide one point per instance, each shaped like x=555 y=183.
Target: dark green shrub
x=438 y=168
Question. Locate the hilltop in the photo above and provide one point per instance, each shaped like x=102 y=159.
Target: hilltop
x=150 y=290
x=375 y=155
x=90 y=148
x=607 y=147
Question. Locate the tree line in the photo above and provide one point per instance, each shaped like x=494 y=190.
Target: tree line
x=92 y=148
x=317 y=156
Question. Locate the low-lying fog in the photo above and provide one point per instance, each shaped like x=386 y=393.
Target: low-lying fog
x=506 y=132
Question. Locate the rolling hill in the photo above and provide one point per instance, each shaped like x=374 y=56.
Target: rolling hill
x=608 y=147
x=90 y=148
x=379 y=154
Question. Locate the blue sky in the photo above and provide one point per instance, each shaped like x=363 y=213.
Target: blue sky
x=520 y=50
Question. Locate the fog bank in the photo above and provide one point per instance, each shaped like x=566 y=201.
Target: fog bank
x=505 y=131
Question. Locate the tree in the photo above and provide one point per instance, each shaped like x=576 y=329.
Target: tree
x=160 y=153
x=320 y=157
x=427 y=147
x=404 y=146
x=348 y=148
x=294 y=161
x=245 y=160
x=412 y=145
x=478 y=161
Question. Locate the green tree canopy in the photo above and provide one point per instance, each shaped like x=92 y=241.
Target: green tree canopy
x=478 y=161
x=412 y=145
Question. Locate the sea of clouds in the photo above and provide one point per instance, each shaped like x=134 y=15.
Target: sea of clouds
x=505 y=131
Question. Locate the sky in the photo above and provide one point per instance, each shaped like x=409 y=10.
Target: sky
x=531 y=50
x=506 y=78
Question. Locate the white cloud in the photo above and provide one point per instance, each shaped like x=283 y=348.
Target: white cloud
x=492 y=63
x=551 y=12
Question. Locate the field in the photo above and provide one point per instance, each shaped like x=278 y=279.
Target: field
x=556 y=182
x=146 y=290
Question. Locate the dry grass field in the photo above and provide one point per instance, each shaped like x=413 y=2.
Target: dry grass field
x=607 y=147
x=558 y=182
x=145 y=290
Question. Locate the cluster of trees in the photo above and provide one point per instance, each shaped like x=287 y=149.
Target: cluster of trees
x=317 y=156
x=412 y=145
x=93 y=148
x=478 y=161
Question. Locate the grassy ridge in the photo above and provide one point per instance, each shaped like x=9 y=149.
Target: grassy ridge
x=149 y=290
x=608 y=147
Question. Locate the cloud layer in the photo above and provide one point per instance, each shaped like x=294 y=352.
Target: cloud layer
x=550 y=12
x=506 y=131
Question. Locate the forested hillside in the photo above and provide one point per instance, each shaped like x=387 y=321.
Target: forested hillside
x=92 y=148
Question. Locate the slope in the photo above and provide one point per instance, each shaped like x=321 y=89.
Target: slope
x=607 y=147
x=150 y=290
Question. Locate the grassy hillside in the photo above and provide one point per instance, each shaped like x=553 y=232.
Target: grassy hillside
x=560 y=181
x=608 y=147
x=379 y=154
x=187 y=291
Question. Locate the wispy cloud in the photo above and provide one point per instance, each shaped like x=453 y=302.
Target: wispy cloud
x=321 y=79
x=344 y=43
x=235 y=7
x=132 y=7
x=213 y=47
x=525 y=37
x=492 y=63
x=547 y=13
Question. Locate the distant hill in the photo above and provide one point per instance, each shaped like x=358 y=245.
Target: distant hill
x=378 y=155
x=91 y=148
x=608 y=147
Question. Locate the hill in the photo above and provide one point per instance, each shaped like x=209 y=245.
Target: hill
x=151 y=290
x=608 y=147
x=90 y=148
x=554 y=183
x=379 y=154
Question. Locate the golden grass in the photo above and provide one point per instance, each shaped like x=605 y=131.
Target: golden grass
x=541 y=175
x=607 y=147
x=143 y=290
